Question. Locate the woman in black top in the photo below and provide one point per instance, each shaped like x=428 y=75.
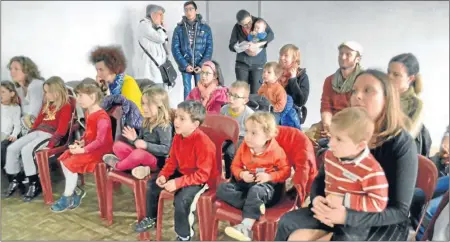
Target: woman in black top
x=394 y=149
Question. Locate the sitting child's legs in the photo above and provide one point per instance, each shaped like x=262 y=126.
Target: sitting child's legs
x=185 y=204
x=122 y=150
x=70 y=198
x=137 y=157
x=307 y=235
x=233 y=192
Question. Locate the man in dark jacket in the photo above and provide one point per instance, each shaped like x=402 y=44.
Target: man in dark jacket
x=249 y=64
x=192 y=45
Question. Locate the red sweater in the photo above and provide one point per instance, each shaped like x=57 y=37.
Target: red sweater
x=273 y=160
x=361 y=181
x=300 y=153
x=54 y=123
x=194 y=157
x=332 y=101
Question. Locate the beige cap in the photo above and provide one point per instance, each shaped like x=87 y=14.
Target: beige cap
x=353 y=45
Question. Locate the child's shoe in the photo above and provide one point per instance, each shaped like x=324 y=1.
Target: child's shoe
x=239 y=232
x=77 y=197
x=183 y=239
x=63 y=203
x=146 y=223
x=141 y=172
x=110 y=160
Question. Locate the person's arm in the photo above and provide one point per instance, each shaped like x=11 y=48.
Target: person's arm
x=103 y=129
x=131 y=91
x=171 y=162
x=39 y=118
x=237 y=166
x=270 y=36
x=233 y=38
x=36 y=94
x=280 y=99
x=299 y=88
x=63 y=125
x=16 y=119
x=176 y=49
x=376 y=197
x=283 y=170
x=165 y=140
x=205 y=159
x=207 y=55
x=325 y=103
x=401 y=189
x=157 y=35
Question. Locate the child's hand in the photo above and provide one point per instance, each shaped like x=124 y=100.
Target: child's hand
x=12 y=138
x=80 y=143
x=73 y=146
x=334 y=201
x=170 y=186
x=76 y=150
x=140 y=144
x=263 y=177
x=247 y=176
x=161 y=181
x=129 y=133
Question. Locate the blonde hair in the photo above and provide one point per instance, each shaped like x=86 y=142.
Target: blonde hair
x=392 y=119
x=275 y=67
x=159 y=97
x=241 y=84
x=11 y=88
x=293 y=50
x=355 y=122
x=90 y=86
x=56 y=86
x=267 y=121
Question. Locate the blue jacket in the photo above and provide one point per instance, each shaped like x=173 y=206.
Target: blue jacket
x=289 y=116
x=202 y=49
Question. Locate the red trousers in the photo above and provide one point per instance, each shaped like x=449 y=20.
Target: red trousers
x=131 y=157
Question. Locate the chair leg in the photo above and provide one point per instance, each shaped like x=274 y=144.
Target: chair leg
x=100 y=180
x=270 y=231
x=214 y=228
x=159 y=219
x=139 y=197
x=44 y=176
x=82 y=182
x=109 y=201
x=205 y=215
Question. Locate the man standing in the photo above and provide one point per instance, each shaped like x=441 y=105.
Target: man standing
x=249 y=63
x=192 y=45
x=337 y=88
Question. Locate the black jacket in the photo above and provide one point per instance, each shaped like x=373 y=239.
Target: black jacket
x=238 y=35
x=298 y=88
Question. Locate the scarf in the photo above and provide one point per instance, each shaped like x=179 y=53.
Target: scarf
x=284 y=79
x=408 y=102
x=343 y=86
x=116 y=86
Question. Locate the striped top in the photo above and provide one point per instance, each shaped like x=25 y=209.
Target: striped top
x=361 y=181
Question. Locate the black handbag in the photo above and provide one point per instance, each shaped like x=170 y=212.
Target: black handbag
x=168 y=73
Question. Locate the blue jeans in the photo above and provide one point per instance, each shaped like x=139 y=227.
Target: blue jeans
x=187 y=77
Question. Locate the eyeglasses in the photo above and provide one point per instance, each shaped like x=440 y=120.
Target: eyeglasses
x=248 y=24
x=234 y=96
x=188 y=9
x=203 y=73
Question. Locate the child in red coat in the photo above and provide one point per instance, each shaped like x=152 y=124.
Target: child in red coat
x=84 y=155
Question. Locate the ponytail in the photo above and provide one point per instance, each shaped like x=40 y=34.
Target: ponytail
x=418 y=84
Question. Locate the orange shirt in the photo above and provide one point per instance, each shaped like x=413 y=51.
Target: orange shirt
x=275 y=93
x=273 y=160
x=332 y=101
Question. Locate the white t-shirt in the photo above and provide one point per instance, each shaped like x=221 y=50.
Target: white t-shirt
x=10 y=120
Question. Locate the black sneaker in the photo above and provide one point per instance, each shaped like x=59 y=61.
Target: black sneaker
x=34 y=189
x=145 y=224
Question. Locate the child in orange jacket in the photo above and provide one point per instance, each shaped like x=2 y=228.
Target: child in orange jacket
x=259 y=169
x=272 y=89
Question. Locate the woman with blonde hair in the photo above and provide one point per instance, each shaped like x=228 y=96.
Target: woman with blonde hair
x=392 y=146
x=50 y=127
x=148 y=149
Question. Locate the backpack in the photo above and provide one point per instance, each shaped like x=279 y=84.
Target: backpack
x=259 y=103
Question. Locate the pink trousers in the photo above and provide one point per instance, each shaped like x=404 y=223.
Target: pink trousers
x=131 y=157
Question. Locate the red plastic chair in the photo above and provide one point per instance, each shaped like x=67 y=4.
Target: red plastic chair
x=219 y=128
x=426 y=180
x=300 y=153
x=428 y=234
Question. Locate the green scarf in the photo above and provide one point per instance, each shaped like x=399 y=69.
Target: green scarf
x=410 y=103
x=343 y=86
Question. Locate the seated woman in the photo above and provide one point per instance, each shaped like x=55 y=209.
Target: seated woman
x=25 y=73
x=110 y=64
x=210 y=90
x=394 y=149
x=404 y=74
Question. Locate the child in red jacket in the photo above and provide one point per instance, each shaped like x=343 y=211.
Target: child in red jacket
x=190 y=166
x=50 y=127
x=259 y=169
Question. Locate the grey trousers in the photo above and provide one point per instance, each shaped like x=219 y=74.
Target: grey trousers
x=24 y=148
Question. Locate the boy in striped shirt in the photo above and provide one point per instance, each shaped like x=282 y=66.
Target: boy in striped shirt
x=352 y=175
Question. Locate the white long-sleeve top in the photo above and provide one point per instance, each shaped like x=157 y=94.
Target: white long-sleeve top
x=32 y=102
x=11 y=120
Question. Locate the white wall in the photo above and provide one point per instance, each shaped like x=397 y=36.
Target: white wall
x=58 y=36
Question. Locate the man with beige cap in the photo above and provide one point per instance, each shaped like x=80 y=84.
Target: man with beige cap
x=337 y=87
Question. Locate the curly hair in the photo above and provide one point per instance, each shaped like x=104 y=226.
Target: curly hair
x=29 y=68
x=113 y=57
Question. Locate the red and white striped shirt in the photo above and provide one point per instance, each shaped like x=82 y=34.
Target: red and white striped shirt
x=361 y=181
